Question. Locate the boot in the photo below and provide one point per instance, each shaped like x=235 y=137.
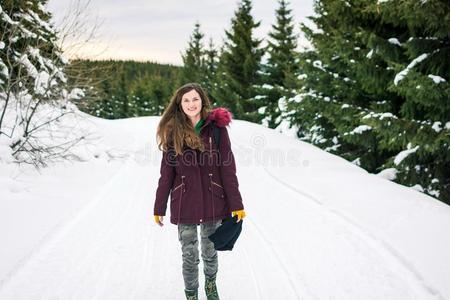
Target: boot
x=191 y=294
x=211 y=289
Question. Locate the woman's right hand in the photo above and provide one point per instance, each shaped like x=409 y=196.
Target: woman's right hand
x=159 y=219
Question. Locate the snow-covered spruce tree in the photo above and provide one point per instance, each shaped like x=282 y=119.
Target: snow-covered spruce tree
x=210 y=68
x=149 y=95
x=333 y=74
x=375 y=88
x=279 y=74
x=420 y=133
x=239 y=66
x=194 y=65
x=32 y=79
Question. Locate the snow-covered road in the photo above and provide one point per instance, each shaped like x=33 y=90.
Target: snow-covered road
x=324 y=229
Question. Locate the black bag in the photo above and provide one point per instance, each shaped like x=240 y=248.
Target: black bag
x=226 y=234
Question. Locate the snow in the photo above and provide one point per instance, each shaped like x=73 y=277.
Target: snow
x=297 y=98
x=434 y=193
x=6 y=18
x=360 y=129
x=389 y=173
x=267 y=86
x=394 y=41
x=437 y=126
x=2 y=45
x=41 y=82
x=436 y=79
x=39 y=21
x=42 y=78
x=318 y=64
x=76 y=93
x=29 y=66
x=317 y=226
x=3 y=68
x=262 y=109
x=418 y=187
x=357 y=161
x=380 y=116
x=404 y=154
x=404 y=72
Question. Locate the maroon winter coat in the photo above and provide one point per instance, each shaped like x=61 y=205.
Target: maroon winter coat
x=202 y=185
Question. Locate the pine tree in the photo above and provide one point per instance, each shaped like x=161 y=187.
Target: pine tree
x=239 y=65
x=281 y=70
x=420 y=132
x=124 y=105
x=210 y=60
x=375 y=88
x=194 y=68
x=30 y=60
x=32 y=83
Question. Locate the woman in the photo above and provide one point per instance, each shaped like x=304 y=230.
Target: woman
x=200 y=177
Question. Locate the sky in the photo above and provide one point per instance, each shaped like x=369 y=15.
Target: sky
x=148 y=30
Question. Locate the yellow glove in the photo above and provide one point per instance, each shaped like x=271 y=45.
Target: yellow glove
x=159 y=219
x=239 y=213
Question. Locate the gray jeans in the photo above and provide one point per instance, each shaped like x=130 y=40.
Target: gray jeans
x=187 y=235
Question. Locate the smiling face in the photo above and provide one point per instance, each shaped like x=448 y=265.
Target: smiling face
x=191 y=102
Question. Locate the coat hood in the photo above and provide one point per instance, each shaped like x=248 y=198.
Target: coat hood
x=221 y=115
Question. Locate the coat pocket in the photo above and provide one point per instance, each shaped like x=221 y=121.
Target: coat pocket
x=176 y=192
x=219 y=201
x=218 y=190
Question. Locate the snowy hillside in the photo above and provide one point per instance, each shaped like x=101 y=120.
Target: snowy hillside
x=317 y=226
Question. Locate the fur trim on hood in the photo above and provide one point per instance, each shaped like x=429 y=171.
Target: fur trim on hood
x=221 y=115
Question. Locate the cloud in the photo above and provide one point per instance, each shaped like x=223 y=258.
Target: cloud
x=159 y=30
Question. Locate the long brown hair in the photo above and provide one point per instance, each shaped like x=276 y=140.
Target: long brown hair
x=175 y=129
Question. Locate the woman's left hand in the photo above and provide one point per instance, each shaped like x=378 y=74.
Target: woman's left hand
x=239 y=213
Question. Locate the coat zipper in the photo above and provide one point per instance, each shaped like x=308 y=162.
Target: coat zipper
x=181 y=197
x=212 y=197
x=174 y=189
x=210 y=179
x=217 y=184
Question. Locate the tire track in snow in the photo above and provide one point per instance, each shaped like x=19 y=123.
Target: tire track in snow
x=385 y=250
x=369 y=238
x=56 y=237
x=121 y=220
x=57 y=231
x=148 y=253
x=255 y=281
x=126 y=245
x=270 y=246
x=142 y=218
